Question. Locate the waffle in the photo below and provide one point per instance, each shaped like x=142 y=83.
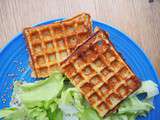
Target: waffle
x=50 y=44
x=99 y=72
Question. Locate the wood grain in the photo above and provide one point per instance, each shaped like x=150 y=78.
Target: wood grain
x=138 y=18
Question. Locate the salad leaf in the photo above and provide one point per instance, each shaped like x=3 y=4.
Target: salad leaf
x=72 y=97
x=57 y=115
x=37 y=114
x=136 y=107
x=55 y=98
x=89 y=114
x=39 y=99
x=14 y=114
x=133 y=107
x=75 y=107
x=69 y=112
x=7 y=111
x=148 y=87
x=71 y=103
x=43 y=90
x=45 y=111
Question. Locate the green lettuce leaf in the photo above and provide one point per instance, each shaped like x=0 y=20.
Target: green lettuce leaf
x=57 y=115
x=71 y=103
x=43 y=90
x=14 y=114
x=89 y=114
x=39 y=99
x=132 y=107
x=148 y=87
x=7 y=111
x=72 y=96
x=75 y=107
x=55 y=98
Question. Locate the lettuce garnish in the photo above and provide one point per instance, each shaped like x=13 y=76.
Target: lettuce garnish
x=56 y=99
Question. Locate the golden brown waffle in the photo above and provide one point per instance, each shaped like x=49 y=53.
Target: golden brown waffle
x=100 y=73
x=50 y=44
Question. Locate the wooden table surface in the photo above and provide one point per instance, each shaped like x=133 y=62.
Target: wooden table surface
x=138 y=18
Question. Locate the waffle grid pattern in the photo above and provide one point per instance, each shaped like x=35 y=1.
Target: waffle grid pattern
x=100 y=73
x=51 y=44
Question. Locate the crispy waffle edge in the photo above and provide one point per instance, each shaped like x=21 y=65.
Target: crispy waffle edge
x=26 y=30
x=136 y=79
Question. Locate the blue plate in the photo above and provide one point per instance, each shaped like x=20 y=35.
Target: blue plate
x=14 y=64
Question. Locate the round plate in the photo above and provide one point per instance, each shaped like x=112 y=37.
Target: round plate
x=15 y=65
